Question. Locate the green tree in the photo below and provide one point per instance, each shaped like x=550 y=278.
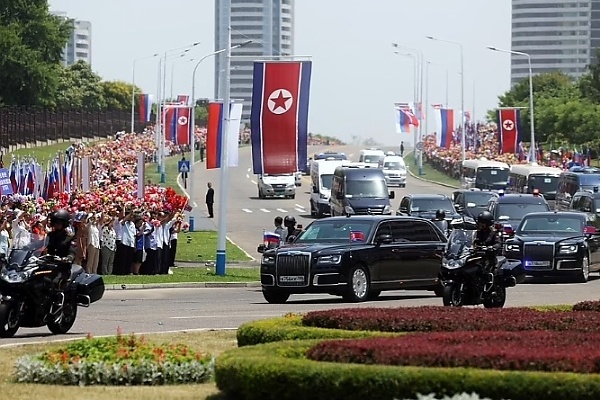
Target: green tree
x=80 y=87
x=31 y=44
x=117 y=95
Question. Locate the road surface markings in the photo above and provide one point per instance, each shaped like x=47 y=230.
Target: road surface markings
x=300 y=210
x=248 y=176
x=299 y=206
x=253 y=181
x=246 y=210
x=281 y=210
x=264 y=210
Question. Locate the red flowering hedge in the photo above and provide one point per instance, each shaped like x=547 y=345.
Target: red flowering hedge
x=548 y=351
x=450 y=319
x=593 y=305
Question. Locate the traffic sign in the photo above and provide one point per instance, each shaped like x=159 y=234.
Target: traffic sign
x=420 y=146
x=184 y=166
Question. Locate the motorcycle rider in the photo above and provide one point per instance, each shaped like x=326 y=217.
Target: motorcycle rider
x=440 y=221
x=59 y=242
x=487 y=237
x=290 y=223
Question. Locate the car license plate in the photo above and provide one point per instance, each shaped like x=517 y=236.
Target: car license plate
x=298 y=279
x=537 y=263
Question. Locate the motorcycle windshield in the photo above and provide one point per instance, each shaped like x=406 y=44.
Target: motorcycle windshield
x=25 y=245
x=459 y=241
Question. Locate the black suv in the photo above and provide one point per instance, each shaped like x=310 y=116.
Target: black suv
x=356 y=257
x=426 y=205
x=509 y=209
x=471 y=202
x=555 y=244
x=588 y=203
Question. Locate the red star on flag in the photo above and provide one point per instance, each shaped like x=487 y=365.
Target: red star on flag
x=280 y=101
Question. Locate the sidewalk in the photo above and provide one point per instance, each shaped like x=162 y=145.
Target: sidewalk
x=182 y=285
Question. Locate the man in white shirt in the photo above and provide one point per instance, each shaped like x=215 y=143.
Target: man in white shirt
x=166 y=238
x=128 y=241
x=118 y=215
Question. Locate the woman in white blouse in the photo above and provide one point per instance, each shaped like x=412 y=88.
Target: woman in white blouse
x=93 y=245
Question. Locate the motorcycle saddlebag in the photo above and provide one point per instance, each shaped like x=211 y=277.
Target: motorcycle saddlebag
x=90 y=285
x=512 y=268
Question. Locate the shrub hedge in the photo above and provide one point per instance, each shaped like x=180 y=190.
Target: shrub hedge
x=451 y=319
x=290 y=327
x=280 y=371
x=516 y=351
x=587 y=306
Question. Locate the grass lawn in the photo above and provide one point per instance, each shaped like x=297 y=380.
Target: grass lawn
x=188 y=275
x=429 y=172
x=201 y=246
x=42 y=153
x=208 y=342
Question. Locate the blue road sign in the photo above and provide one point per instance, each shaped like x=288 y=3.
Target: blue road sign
x=184 y=166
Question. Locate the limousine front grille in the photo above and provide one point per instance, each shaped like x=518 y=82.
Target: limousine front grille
x=293 y=269
x=368 y=211
x=538 y=256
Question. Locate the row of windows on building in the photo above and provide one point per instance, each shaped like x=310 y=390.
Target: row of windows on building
x=523 y=72
x=534 y=42
x=241 y=9
x=560 y=15
x=534 y=61
x=549 y=5
x=255 y=18
x=259 y=27
x=550 y=33
x=557 y=24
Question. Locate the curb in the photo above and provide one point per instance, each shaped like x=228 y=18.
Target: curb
x=430 y=181
x=182 y=285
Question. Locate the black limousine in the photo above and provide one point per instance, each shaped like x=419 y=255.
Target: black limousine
x=356 y=257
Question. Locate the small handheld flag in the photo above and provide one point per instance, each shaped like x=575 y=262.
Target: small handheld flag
x=271 y=238
x=357 y=236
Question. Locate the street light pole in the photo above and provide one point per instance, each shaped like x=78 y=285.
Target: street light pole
x=462 y=93
x=531 y=121
x=415 y=92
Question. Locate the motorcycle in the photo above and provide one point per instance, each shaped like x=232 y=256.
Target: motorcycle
x=42 y=290
x=465 y=278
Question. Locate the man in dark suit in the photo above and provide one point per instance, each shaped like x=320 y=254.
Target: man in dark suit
x=210 y=200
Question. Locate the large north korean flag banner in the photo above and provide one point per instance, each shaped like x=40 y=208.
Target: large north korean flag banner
x=279 y=116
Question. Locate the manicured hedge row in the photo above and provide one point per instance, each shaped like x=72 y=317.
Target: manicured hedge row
x=290 y=328
x=451 y=319
x=517 y=351
x=587 y=306
x=279 y=371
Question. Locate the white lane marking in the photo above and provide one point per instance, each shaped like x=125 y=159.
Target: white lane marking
x=350 y=155
x=300 y=210
x=246 y=210
x=299 y=206
x=248 y=176
x=228 y=315
x=195 y=204
x=253 y=181
x=281 y=210
x=249 y=169
x=264 y=210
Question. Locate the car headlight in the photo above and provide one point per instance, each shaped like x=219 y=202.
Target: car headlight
x=349 y=210
x=291 y=185
x=329 y=260
x=268 y=187
x=453 y=264
x=13 y=276
x=568 y=249
x=512 y=247
x=387 y=210
x=268 y=260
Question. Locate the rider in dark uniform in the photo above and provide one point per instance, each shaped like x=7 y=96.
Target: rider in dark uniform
x=440 y=221
x=290 y=223
x=487 y=237
x=59 y=244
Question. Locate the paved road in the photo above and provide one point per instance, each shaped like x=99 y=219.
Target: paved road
x=161 y=310
x=247 y=215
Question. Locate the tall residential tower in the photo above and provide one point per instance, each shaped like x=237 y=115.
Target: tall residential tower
x=268 y=23
x=79 y=45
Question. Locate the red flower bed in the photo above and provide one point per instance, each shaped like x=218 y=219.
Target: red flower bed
x=520 y=351
x=587 y=306
x=439 y=319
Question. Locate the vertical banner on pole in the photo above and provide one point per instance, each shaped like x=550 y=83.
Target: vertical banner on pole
x=141 y=175
x=85 y=174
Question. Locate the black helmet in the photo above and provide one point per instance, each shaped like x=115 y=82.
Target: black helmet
x=61 y=216
x=486 y=218
x=440 y=214
x=289 y=221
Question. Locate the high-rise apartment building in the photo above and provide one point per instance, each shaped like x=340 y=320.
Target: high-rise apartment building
x=79 y=45
x=268 y=23
x=560 y=35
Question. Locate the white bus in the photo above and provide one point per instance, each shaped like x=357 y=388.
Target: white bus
x=484 y=174
x=525 y=178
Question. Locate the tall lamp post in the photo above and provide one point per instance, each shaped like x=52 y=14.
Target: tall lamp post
x=193 y=116
x=462 y=93
x=532 y=125
x=133 y=88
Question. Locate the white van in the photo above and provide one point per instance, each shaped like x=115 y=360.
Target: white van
x=394 y=170
x=276 y=185
x=371 y=157
x=321 y=177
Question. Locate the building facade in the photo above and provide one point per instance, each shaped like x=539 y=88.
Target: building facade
x=79 y=45
x=560 y=35
x=268 y=23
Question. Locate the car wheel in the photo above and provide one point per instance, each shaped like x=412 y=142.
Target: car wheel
x=497 y=298
x=293 y=196
x=275 y=297
x=584 y=274
x=453 y=295
x=358 y=285
x=260 y=195
x=313 y=210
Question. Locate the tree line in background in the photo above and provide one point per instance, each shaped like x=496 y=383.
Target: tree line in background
x=567 y=110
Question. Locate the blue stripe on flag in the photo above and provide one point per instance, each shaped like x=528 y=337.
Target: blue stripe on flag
x=304 y=96
x=256 y=117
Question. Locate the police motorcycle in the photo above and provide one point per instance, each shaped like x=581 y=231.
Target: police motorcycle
x=42 y=290
x=468 y=280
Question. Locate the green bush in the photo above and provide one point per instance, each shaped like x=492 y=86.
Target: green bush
x=290 y=327
x=279 y=371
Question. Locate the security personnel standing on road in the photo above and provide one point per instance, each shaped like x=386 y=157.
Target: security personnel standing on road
x=402 y=149
x=292 y=232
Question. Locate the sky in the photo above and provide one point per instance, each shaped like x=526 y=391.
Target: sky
x=356 y=76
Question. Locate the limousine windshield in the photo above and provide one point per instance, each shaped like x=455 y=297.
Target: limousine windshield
x=334 y=231
x=366 y=189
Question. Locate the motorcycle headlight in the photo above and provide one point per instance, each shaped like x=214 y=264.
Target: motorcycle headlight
x=568 y=249
x=268 y=260
x=349 y=210
x=13 y=276
x=453 y=264
x=512 y=247
x=329 y=260
x=387 y=210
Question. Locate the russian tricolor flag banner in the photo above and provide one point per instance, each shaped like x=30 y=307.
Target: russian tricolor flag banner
x=445 y=124
x=145 y=107
x=508 y=129
x=214 y=134
x=170 y=121
x=279 y=116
